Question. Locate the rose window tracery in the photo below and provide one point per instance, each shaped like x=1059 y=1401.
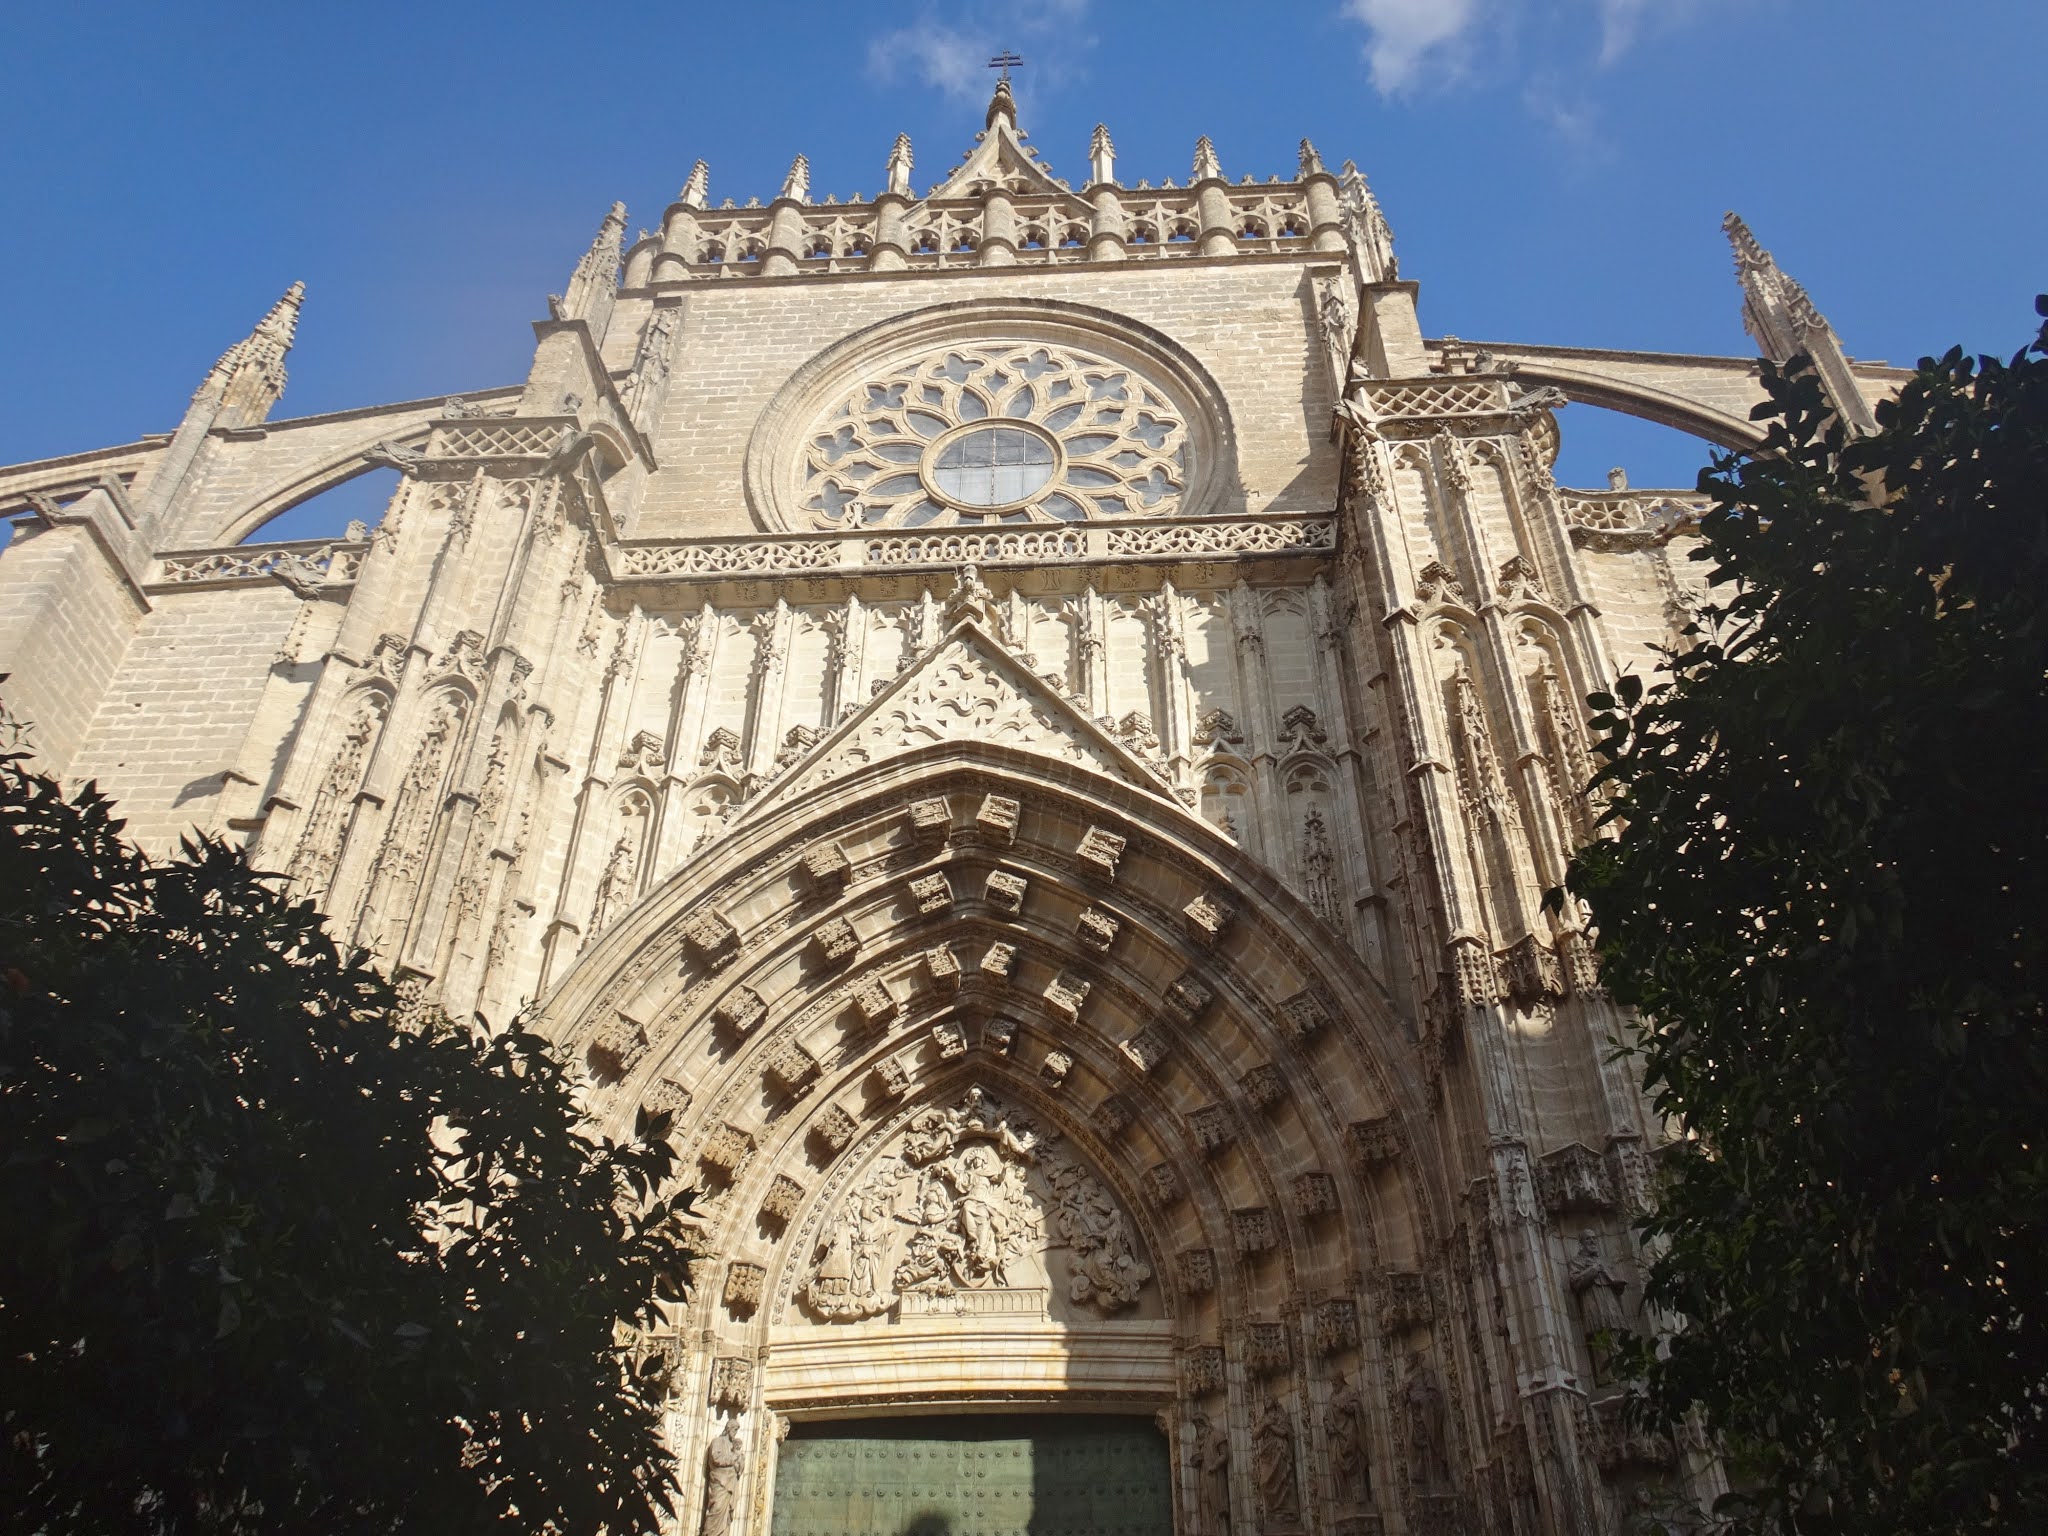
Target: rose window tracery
x=1009 y=433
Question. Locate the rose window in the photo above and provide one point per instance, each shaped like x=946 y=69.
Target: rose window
x=1015 y=434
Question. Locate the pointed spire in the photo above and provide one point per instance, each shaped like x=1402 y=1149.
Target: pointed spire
x=595 y=281
x=796 y=186
x=1101 y=157
x=1311 y=162
x=1002 y=104
x=696 y=191
x=898 y=172
x=250 y=375
x=1207 y=167
x=1782 y=319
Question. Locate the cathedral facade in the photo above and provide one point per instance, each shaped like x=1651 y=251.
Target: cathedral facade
x=1037 y=719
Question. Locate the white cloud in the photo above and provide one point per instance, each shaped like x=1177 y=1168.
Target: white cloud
x=1409 y=37
x=953 y=57
x=952 y=61
x=1620 y=21
x=1419 y=44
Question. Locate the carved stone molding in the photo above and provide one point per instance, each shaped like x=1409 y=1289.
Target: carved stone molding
x=826 y=866
x=1530 y=972
x=1374 y=1143
x=1263 y=1086
x=1207 y=916
x=1403 y=1297
x=835 y=1127
x=710 y=938
x=997 y=819
x=942 y=966
x=1211 y=1128
x=1188 y=996
x=1201 y=1370
x=1335 y=1325
x=931 y=819
x=1197 y=1270
x=732 y=1383
x=835 y=941
x=1315 y=1194
x=728 y=1149
x=1065 y=994
x=743 y=1286
x=1268 y=1348
x=1112 y=1117
x=740 y=1011
x=1099 y=851
x=1253 y=1229
x=783 y=1200
x=1306 y=1014
x=1004 y=891
x=1146 y=1049
x=874 y=1002
x=1574 y=1178
x=790 y=1068
x=1096 y=930
x=1163 y=1185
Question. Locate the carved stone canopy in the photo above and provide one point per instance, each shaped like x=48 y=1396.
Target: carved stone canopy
x=974 y=1210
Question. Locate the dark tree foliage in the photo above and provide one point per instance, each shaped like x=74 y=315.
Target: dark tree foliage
x=275 y=1257
x=1828 y=895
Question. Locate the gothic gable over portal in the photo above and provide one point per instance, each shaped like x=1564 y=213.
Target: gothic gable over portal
x=969 y=687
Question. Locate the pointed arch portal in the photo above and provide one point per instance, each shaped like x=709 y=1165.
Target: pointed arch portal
x=1010 y=1082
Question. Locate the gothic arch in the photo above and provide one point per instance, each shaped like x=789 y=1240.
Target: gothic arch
x=806 y=987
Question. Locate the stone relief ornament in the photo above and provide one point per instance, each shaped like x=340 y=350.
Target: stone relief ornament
x=1023 y=433
x=975 y=1211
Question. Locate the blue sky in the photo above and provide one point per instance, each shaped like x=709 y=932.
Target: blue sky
x=1554 y=170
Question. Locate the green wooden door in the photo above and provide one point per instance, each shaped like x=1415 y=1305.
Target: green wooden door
x=969 y=1476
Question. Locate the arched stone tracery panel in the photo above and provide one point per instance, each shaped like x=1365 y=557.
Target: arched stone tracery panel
x=784 y=944
x=1264 y=1164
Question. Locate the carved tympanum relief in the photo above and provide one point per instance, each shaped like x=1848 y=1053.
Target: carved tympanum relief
x=1018 y=432
x=975 y=1210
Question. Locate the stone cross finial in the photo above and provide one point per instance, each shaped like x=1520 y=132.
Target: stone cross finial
x=1311 y=162
x=1207 y=167
x=796 y=186
x=898 y=172
x=697 y=190
x=1101 y=157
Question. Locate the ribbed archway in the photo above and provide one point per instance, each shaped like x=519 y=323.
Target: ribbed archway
x=1090 y=956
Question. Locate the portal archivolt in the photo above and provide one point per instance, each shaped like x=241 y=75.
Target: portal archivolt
x=979 y=936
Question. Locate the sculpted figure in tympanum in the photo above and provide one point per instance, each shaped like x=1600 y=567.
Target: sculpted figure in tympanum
x=975 y=1210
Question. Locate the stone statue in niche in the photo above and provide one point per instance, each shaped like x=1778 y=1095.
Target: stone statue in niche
x=961 y=1218
x=722 y=1461
x=1344 y=1426
x=1422 y=1402
x=1597 y=1289
x=1212 y=1468
x=1273 y=1461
